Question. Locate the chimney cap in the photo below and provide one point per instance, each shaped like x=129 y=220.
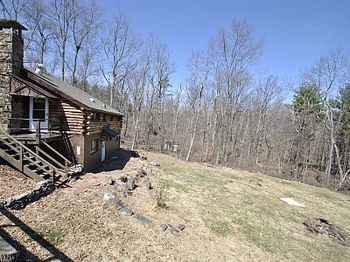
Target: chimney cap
x=4 y=23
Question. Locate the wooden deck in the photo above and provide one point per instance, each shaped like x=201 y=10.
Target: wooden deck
x=31 y=138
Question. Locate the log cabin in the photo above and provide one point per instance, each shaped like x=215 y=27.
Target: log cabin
x=48 y=126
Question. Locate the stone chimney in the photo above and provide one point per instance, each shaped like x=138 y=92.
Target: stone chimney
x=11 y=62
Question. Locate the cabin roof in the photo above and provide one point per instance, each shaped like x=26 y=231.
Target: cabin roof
x=4 y=23
x=75 y=94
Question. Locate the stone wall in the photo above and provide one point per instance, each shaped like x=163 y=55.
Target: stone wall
x=42 y=189
x=11 y=61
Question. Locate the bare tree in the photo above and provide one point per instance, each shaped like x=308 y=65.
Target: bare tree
x=197 y=82
x=62 y=14
x=41 y=29
x=13 y=9
x=84 y=28
x=120 y=47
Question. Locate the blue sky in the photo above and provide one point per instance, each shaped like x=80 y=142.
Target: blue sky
x=296 y=32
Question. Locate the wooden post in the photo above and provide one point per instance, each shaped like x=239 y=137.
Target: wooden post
x=66 y=167
x=53 y=177
x=38 y=134
x=37 y=152
x=21 y=157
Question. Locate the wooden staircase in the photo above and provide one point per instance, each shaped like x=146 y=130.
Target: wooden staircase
x=39 y=165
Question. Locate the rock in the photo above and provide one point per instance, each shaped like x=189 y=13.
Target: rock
x=123 y=179
x=115 y=202
x=111 y=182
x=168 y=228
x=75 y=170
x=127 y=193
x=172 y=230
x=148 y=185
x=181 y=227
x=108 y=196
x=130 y=183
x=135 y=154
x=141 y=173
x=291 y=201
x=164 y=226
x=143 y=157
x=322 y=226
x=142 y=220
x=154 y=163
x=126 y=211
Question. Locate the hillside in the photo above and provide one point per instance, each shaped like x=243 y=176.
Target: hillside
x=229 y=215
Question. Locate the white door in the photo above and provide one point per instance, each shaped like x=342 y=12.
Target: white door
x=103 y=151
x=38 y=111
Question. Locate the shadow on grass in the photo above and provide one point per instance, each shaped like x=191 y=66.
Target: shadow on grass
x=25 y=254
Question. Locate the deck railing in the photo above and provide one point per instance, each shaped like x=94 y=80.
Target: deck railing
x=27 y=154
x=53 y=155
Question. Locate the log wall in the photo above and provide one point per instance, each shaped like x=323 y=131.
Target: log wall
x=73 y=119
x=77 y=121
x=95 y=125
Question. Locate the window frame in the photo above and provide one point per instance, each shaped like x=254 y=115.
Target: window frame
x=94 y=146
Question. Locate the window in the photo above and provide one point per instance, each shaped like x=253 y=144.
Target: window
x=94 y=117
x=94 y=146
x=78 y=150
x=39 y=108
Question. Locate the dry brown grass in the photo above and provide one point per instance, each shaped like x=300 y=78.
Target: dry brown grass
x=228 y=217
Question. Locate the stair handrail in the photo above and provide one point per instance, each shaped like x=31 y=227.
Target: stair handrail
x=29 y=150
x=66 y=161
x=49 y=157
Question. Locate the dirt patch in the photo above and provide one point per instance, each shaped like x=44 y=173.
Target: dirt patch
x=13 y=182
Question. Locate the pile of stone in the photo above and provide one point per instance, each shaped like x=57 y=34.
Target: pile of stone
x=130 y=182
x=75 y=170
x=322 y=226
x=42 y=189
x=116 y=202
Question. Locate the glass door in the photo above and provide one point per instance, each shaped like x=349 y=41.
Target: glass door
x=38 y=111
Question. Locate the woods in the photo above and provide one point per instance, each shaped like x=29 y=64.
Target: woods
x=225 y=112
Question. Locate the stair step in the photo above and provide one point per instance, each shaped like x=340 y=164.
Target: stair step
x=9 y=150
x=36 y=168
x=33 y=166
x=37 y=163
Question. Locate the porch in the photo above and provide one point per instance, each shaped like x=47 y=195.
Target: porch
x=34 y=138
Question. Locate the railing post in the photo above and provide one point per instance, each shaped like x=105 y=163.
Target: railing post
x=66 y=167
x=36 y=152
x=38 y=134
x=21 y=157
x=53 y=177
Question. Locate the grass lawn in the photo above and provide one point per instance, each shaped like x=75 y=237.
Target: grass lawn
x=247 y=207
x=230 y=215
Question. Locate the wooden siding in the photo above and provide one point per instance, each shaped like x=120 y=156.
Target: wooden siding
x=103 y=120
x=72 y=118
x=77 y=121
